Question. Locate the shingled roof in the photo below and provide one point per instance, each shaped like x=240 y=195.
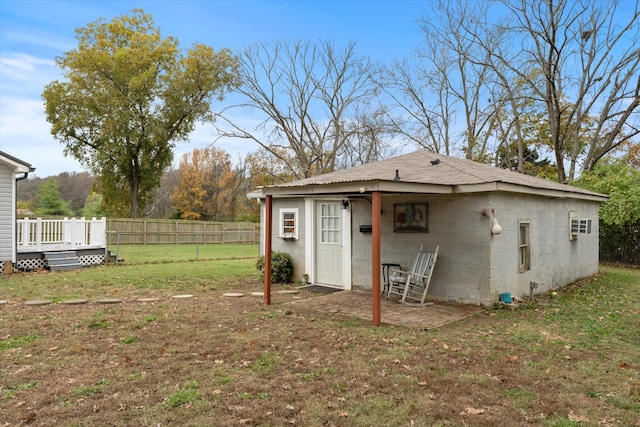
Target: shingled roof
x=438 y=173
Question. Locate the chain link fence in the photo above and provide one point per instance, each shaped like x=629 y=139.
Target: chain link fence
x=620 y=244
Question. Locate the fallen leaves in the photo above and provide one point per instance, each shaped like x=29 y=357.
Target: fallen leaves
x=473 y=411
x=577 y=418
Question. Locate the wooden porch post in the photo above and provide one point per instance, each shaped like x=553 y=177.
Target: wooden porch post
x=268 y=225
x=375 y=255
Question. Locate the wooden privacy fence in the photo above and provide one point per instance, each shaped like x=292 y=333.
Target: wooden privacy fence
x=162 y=231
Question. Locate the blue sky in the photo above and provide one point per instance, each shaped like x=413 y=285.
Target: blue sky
x=34 y=32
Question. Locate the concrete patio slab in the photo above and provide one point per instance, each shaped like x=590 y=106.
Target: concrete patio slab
x=358 y=304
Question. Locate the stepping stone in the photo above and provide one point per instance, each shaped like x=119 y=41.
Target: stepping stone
x=74 y=301
x=183 y=296
x=147 y=299
x=38 y=302
x=289 y=292
x=109 y=301
x=257 y=294
x=233 y=294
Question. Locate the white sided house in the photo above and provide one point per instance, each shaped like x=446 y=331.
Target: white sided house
x=343 y=226
x=11 y=169
x=56 y=244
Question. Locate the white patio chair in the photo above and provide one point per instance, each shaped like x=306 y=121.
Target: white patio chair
x=412 y=285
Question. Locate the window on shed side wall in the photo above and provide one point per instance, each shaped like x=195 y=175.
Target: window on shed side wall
x=524 y=246
x=289 y=223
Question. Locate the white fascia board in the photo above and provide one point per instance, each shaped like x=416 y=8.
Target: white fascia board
x=521 y=189
x=357 y=188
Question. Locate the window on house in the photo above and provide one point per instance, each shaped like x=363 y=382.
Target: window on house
x=524 y=247
x=289 y=223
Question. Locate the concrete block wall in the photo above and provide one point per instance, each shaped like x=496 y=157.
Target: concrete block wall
x=473 y=265
x=555 y=259
x=461 y=272
x=361 y=245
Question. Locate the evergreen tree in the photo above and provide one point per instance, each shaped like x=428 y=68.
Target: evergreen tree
x=49 y=201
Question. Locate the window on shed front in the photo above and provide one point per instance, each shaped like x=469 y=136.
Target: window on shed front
x=289 y=223
x=524 y=247
x=330 y=220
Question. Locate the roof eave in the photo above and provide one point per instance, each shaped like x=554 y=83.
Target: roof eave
x=363 y=187
x=523 y=189
x=357 y=187
x=17 y=165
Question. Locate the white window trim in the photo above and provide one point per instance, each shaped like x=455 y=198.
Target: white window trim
x=527 y=261
x=296 y=226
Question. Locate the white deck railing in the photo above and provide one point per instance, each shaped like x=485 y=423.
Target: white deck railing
x=36 y=235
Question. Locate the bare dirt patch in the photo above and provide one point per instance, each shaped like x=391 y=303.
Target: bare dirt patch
x=211 y=360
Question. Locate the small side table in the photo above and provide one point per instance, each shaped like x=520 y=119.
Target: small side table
x=385 y=275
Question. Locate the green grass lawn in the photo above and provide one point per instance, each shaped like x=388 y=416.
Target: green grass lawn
x=170 y=268
x=140 y=254
x=564 y=360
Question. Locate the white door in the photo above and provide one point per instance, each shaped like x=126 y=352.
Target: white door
x=329 y=243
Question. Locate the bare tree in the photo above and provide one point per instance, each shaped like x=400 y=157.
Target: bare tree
x=588 y=52
x=75 y=187
x=497 y=65
x=161 y=206
x=413 y=88
x=589 y=57
x=447 y=79
x=372 y=138
x=306 y=96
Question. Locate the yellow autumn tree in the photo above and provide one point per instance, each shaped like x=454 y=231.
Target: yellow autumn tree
x=209 y=187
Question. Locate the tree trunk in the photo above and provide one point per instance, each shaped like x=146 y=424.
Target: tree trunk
x=134 y=186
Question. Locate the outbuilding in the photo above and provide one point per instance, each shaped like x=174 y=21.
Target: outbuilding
x=498 y=231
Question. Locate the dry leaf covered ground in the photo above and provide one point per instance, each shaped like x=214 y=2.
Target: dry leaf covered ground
x=568 y=360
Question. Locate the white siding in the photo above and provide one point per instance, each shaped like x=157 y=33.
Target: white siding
x=7 y=213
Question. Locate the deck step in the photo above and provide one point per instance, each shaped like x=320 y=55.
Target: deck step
x=64 y=260
x=114 y=258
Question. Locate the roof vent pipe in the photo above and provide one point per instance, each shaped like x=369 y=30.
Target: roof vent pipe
x=397 y=177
